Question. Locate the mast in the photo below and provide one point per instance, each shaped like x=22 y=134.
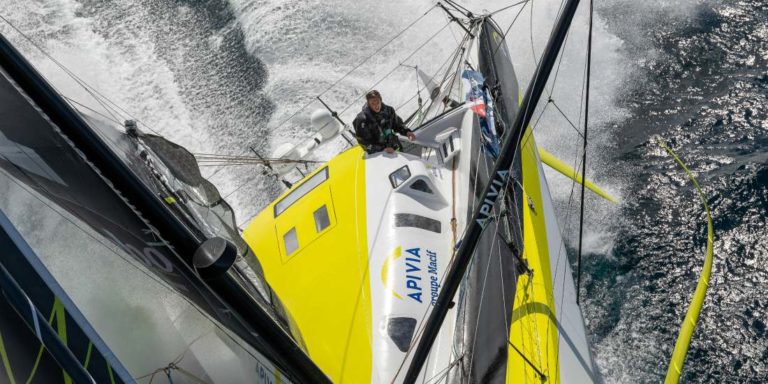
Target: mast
x=500 y=177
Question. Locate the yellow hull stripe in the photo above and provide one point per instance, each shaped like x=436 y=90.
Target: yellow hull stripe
x=533 y=330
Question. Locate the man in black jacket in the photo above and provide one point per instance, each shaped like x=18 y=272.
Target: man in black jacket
x=376 y=125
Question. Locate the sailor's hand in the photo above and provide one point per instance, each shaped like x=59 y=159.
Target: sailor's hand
x=411 y=136
x=389 y=150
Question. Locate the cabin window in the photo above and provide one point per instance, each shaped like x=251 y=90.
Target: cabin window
x=291 y=241
x=300 y=191
x=321 y=219
x=421 y=185
x=416 y=221
x=398 y=177
x=400 y=330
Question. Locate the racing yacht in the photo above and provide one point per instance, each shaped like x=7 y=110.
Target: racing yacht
x=362 y=248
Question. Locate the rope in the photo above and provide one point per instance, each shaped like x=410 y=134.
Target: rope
x=214 y=159
x=584 y=153
x=692 y=316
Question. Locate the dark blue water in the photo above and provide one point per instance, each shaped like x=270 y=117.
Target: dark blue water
x=706 y=94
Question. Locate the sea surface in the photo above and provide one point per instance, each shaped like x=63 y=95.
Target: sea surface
x=231 y=76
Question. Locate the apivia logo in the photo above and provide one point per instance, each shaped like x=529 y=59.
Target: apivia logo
x=497 y=184
x=418 y=266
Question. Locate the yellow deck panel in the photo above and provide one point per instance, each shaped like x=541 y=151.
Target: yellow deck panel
x=324 y=283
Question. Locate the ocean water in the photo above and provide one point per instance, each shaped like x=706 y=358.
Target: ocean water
x=223 y=76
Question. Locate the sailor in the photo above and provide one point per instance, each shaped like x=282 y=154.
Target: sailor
x=376 y=125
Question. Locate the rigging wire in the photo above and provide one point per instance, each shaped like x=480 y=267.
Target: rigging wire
x=530 y=33
x=584 y=154
x=355 y=100
x=449 y=60
x=508 y=7
x=365 y=60
x=570 y=123
x=506 y=32
x=98 y=96
x=459 y=8
x=110 y=118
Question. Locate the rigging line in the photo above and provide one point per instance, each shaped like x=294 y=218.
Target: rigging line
x=396 y=68
x=360 y=64
x=559 y=62
x=241 y=186
x=459 y=8
x=562 y=55
x=458 y=21
x=256 y=177
x=560 y=253
x=530 y=33
x=584 y=154
x=456 y=39
x=542 y=376
x=365 y=60
x=577 y=164
x=88 y=88
x=110 y=118
x=462 y=52
x=443 y=373
x=566 y=117
x=439 y=69
x=254 y=160
x=508 y=7
x=81 y=83
x=455 y=62
x=506 y=32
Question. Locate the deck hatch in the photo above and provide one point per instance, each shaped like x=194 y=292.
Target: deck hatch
x=416 y=221
x=322 y=221
x=291 y=241
x=399 y=176
x=400 y=330
x=421 y=186
x=301 y=191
